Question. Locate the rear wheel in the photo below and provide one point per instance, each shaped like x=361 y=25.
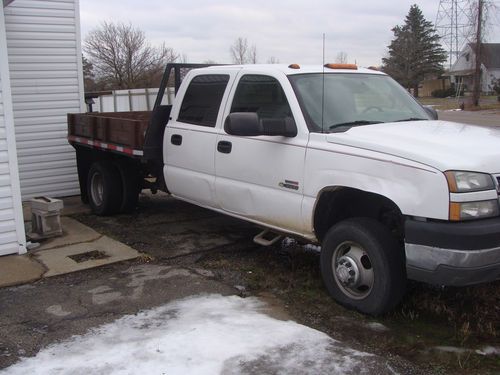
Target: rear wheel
x=363 y=266
x=104 y=188
x=131 y=184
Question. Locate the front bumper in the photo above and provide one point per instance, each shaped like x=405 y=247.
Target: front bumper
x=454 y=254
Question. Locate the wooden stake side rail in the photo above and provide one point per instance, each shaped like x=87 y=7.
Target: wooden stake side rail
x=121 y=132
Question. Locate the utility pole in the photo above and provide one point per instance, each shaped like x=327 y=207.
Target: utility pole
x=477 y=66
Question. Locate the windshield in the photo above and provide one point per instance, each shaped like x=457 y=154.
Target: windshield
x=353 y=100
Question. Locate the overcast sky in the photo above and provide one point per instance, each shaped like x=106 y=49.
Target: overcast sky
x=288 y=30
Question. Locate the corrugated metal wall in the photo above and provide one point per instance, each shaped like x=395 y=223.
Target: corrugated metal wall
x=12 y=238
x=43 y=38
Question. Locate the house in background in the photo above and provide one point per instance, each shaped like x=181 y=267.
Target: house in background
x=461 y=73
x=41 y=80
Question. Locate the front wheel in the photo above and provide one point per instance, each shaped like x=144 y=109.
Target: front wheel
x=363 y=266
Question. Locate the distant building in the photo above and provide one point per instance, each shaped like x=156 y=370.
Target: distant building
x=462 y=72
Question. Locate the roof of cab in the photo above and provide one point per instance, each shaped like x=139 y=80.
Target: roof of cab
x=291 y=71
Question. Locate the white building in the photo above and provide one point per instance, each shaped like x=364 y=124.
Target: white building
x=463 y=69
x=41 y=80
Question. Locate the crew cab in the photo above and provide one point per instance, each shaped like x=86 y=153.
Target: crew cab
x=334 y=155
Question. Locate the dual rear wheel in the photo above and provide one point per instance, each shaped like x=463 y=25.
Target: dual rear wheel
x=112 y=187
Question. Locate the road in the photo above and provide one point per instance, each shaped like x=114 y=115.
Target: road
x=483 y=118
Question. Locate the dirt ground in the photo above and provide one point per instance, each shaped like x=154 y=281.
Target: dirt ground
x=435 y=330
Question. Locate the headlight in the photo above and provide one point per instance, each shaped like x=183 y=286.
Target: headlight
x=464 y=182
x=473 y=210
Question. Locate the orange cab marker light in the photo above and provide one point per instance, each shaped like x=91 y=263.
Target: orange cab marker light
x=294 y=66
x=342 y=66
x=374 y=68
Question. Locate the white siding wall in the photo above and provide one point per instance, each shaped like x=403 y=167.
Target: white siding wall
x=12 y=236
x=43 y=38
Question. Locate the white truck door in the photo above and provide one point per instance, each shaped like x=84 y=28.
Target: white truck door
x=261 y=178
x=190 y=138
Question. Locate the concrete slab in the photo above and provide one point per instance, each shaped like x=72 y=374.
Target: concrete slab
x=73 y=232
x=58 y=261
x=19 y=269
x=73 y=205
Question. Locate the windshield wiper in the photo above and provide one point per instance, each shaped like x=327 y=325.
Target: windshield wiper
x=412 y=119
x=354 y=123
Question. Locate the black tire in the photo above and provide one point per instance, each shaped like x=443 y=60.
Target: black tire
x=370 y=272
x=104 y=188
x=131 y=185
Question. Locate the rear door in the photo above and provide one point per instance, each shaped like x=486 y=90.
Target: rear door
x=190 y=138
x=261 y=178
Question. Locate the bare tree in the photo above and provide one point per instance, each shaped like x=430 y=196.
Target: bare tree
x=273 y=60
x=341 y=58
x=242 y=53
x=252 y=55
x=123 y=58
x=239 y=50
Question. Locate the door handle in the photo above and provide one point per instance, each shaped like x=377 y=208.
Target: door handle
x=224 y=147
x=176 y=139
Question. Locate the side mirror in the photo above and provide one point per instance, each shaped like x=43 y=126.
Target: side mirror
x=248 y=124
x=431 y=112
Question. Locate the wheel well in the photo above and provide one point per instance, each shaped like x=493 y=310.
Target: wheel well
x=340 y=203
x=85 y=157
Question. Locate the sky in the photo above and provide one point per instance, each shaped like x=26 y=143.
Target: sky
x=290 y=31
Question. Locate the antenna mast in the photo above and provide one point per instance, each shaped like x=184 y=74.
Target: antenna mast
x=323 y=89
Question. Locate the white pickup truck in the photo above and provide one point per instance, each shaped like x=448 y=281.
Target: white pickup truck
x=335 y=155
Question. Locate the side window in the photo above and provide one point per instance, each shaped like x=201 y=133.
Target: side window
x=263 y=95
x=202 y=99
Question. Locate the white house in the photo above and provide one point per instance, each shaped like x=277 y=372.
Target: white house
x=41 y=80
x=463 y=69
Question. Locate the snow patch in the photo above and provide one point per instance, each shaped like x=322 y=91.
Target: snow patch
x=376 y=326
x=488 y=350
x=209 y=334
x=451 y=349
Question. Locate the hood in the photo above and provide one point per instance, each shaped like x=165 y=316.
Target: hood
x=441 y=144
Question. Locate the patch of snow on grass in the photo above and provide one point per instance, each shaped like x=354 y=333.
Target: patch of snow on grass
x=208 y=334
x=488 y=350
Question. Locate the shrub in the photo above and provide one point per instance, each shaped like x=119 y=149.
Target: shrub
x=496 y=85
x=444 y=93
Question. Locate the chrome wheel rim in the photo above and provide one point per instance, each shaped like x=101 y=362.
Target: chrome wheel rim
x=97 y=189
x=352 y=270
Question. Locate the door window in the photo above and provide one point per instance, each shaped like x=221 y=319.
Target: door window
x=202 y=99
x=262 y=95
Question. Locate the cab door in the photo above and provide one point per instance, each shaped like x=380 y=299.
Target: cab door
x=190 y=138
x=261 y=178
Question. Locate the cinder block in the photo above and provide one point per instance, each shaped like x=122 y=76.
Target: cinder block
x=46 y=204
x=45 y=218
